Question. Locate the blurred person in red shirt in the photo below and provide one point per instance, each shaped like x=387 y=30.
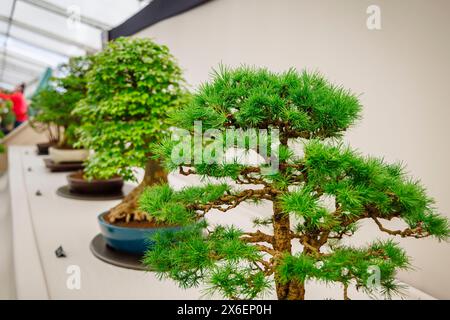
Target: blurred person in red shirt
x=20 y=107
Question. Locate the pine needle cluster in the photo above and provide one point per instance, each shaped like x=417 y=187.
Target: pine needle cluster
x=243 y=264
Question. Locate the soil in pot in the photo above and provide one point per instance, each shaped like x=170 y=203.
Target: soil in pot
x=136 y=224
x=78 y=183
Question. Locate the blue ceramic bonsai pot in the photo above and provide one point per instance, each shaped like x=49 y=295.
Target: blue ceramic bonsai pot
x=131 y=240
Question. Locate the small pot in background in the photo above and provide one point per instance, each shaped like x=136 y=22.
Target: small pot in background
x=78 y=184
x=67 y=155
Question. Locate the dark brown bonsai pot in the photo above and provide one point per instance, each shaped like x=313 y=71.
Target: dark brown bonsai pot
x=42 y=148
x=79 y=184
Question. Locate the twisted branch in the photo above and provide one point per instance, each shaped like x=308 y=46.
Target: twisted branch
x=408 y=232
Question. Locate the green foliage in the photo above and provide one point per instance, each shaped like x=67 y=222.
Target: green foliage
x=346 y=264
x=328 y=191
x=248 y=97
x=173 y=207
x=50 y=108
x=189 y=257
x=364 y=186
x=7 y=116
x=304 y=204
x=2 y=147
x=132 y=86
x=54 y=103
x=7 y=119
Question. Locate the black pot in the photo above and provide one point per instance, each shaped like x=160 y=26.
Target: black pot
x=42 y=148
x=63 y=166
x=94 y=187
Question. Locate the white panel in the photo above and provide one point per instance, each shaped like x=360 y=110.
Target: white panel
x=56 y=24
x=111 y=12
x=34 y=53
x=19 y=67
x=5 y=7
x=19 y=73
x=3 y=26
x=15 y=78
x=6 y=86
x=44 y=42
x=24 y=64
x=30 y=282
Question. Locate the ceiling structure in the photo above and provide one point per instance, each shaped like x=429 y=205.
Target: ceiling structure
x=38 y=34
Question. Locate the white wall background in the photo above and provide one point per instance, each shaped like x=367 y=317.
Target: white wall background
x=402 y=72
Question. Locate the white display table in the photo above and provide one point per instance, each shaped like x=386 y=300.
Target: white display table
x=43 y=223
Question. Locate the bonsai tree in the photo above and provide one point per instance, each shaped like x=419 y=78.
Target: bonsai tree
x=47 y=103
x=7 y=119
x=7 y=116
x=132 y=86
x=54 y=103
x=318 y=197
x=2 y=147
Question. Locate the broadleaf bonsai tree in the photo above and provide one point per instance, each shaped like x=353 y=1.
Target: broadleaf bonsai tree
x=2 y=147
x=318 y=197
x=5 y=111
x=55 y=102
x=132 y=86
x=7 y=116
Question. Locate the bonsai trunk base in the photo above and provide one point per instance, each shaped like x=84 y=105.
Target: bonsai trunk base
x=128 y=209
x=125 y=227
x=292 y=290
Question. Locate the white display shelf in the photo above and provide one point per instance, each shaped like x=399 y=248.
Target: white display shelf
x=43 y=223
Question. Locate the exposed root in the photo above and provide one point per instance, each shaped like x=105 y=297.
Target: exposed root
x=128 y=209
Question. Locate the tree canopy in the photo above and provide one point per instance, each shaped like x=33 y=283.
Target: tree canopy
x=55 y=102
x=243 y=264
x=132 y=86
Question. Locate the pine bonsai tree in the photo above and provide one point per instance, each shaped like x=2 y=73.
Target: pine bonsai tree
x=242 y=264
x=132 y=86
x=54 y=103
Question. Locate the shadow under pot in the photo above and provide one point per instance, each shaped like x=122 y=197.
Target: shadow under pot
x=79 y=184
x=134 y=237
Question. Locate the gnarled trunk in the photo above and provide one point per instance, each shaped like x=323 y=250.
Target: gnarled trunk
x=128 y=209
x=292 y=290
